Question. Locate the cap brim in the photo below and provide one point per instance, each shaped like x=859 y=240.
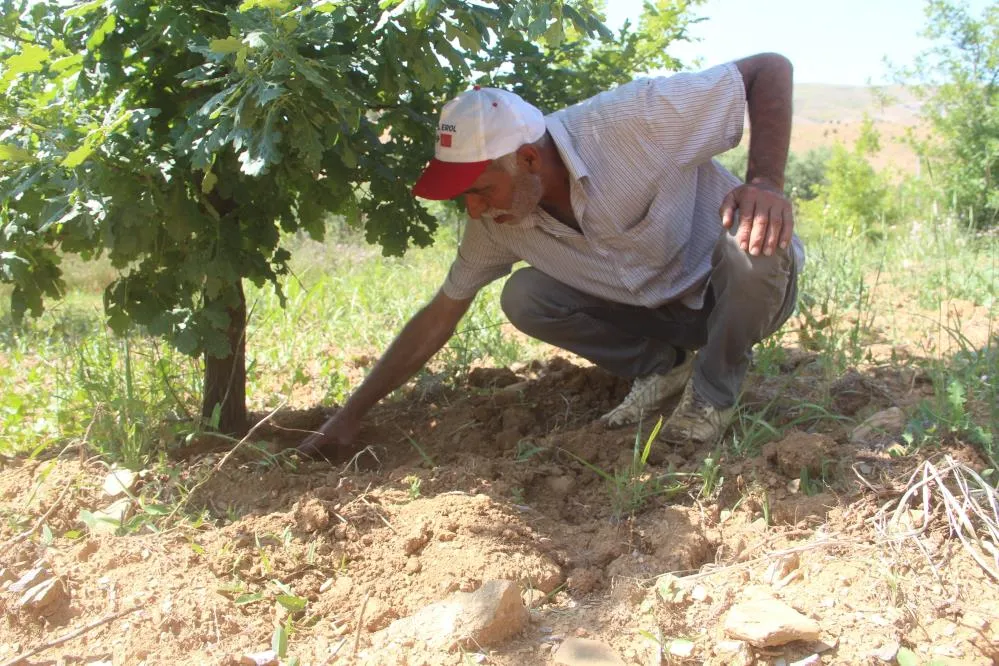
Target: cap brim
x=446 y=180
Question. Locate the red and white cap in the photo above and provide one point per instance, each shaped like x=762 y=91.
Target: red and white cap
x=476 y=127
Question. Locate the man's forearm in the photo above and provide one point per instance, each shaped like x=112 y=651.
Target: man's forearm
x=419 y=340
x=768 y=78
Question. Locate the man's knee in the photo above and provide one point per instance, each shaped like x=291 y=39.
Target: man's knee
x=748 y=275
x=520 y=298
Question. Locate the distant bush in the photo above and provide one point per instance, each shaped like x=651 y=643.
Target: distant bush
x=802 y=176
x=854 y=199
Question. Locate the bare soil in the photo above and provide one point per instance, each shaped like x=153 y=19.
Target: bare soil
x=456 y=486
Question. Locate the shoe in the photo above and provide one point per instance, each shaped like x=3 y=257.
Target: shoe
x=695 y=419
x=648 y=393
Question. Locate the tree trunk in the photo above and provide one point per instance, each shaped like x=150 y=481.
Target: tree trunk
x=225 y=378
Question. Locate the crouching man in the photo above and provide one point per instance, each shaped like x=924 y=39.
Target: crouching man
x=645 y=255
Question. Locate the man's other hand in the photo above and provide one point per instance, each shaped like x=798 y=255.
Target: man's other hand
x=337 y=435
x=766 y=217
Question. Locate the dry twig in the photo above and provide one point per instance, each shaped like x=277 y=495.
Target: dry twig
x=71 y=635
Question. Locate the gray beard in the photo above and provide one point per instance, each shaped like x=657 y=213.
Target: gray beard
x=527 y=191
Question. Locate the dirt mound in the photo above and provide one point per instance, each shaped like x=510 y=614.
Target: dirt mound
x=510 y=479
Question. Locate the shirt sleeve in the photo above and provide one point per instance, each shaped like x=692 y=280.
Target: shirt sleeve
x=481 y=259
x=698 y=115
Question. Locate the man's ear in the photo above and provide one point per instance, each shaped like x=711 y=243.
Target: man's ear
x=529 y=158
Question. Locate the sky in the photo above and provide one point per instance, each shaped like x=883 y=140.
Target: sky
x=835 y=42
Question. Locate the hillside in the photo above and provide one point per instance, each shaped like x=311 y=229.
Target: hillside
x=829 y=114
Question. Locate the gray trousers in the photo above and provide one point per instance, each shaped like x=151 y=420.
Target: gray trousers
x=748 y=299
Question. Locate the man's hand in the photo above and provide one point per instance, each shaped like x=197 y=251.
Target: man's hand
x=338 y=434
x=766 y=217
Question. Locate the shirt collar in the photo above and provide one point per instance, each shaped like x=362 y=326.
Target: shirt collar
x=573 y=162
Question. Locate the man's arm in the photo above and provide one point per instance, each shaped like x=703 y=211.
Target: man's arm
x=765 y=215
x=422 y=337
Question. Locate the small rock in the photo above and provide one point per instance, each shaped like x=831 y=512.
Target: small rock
x=477 y=619
x=268 y=658
x=807 y=661
x=781 y=568
x=734 y=653
x=887 y=652
x=681 y=648
x=30 y=579
x=585 y=652
x=45 y=598
x=769 y=622
x=118 y=482
x=533 y=597
x=880 y=428
x=110 y=518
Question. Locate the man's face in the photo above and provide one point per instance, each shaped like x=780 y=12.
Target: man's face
x=503 y=197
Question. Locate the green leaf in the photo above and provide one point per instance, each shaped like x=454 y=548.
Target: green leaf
x=225 y=46
x=276 y=5
x=246 y=599
x=84 y=8
x=208 y=182
x=78 y=156
x=156 y=509
x=103 y=30
x=279 y=643
x=30 y=59
x=292 y=603
x=907 y=657
x=9 y=153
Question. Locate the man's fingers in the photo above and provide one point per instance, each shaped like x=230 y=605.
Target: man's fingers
x=788 y=227
x=746 y=211
x=760 y=222
x=774 y=230
x=727 y=210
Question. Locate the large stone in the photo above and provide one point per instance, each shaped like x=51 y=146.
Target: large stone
x=482 y=618
x=879 y=429
x=769 y=622
x=584 y=652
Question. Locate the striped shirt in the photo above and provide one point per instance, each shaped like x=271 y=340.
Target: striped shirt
x=644 y=189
